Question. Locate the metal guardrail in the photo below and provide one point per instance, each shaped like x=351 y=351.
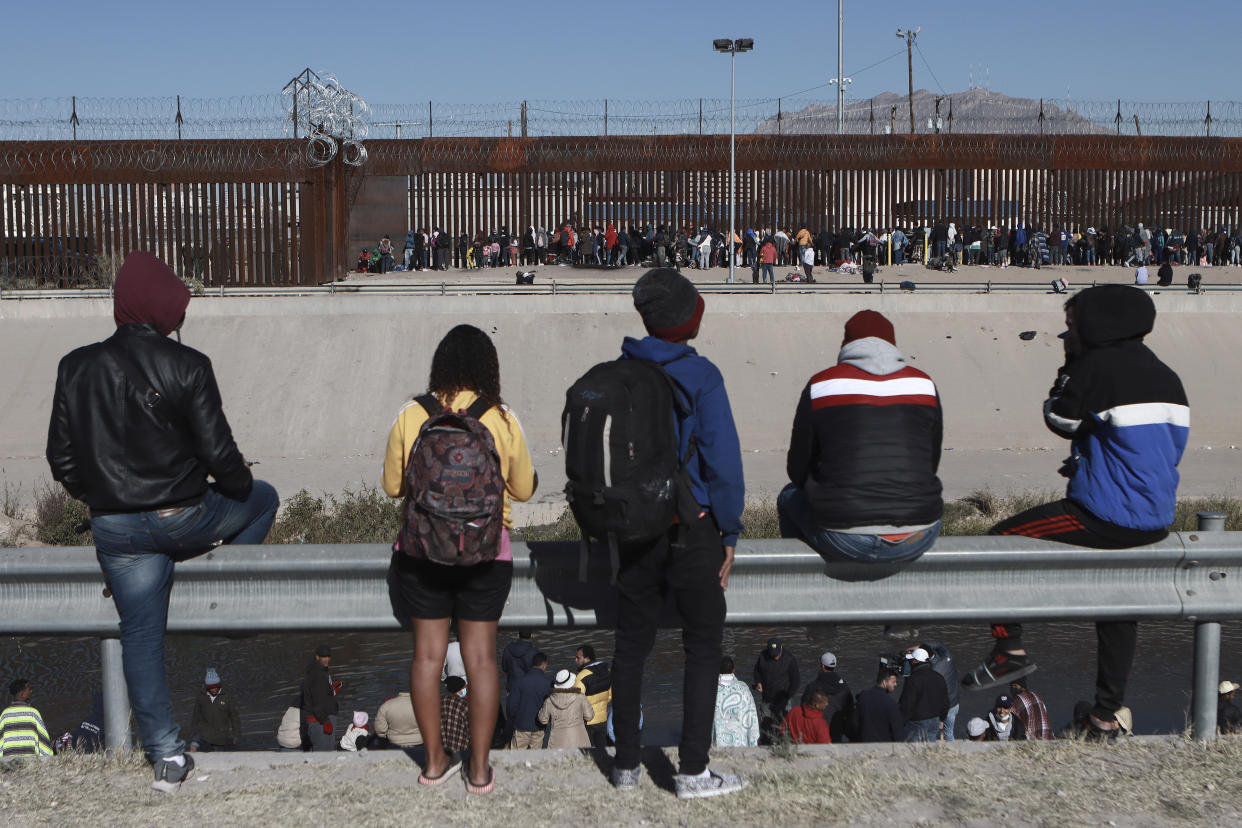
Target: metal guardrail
x=555 y=288
x=1192 y=576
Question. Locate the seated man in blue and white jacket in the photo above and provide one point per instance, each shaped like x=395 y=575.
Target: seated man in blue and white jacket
x=864 y=453
x=1127 y=416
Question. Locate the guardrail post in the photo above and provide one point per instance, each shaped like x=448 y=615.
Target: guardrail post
x=116 y=696
x=1207 y=655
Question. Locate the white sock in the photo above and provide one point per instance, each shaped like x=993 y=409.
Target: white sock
x=178 y=760
x=704 y=775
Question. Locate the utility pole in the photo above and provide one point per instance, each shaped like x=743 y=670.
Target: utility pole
x=909 y=36
x=840 y=80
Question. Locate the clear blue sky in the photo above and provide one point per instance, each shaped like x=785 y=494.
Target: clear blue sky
x=499 y=50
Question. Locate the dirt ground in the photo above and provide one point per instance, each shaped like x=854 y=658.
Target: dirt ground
x=1146 y=781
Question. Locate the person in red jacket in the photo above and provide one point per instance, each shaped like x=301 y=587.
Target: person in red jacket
x=805 y=723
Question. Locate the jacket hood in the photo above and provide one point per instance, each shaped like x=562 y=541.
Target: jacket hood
x=654 y=350
x=147 y=292
x=873 y=355
x=562 y=699
x=1107 y=314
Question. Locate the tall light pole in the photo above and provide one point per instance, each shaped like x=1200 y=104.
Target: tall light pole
x=909 y=37
x=731 y=48
x=840 y=80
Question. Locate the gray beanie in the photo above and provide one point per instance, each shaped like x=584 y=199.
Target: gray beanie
x=669 y=304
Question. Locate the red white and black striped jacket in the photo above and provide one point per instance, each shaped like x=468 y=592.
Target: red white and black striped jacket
x=866 y=441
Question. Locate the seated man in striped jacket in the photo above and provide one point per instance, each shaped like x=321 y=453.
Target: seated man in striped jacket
x=864 y=453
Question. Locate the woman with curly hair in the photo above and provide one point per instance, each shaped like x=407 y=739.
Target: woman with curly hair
x=464 y=370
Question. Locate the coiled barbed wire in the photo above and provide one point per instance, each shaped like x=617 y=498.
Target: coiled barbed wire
x=326 y=106
x=334 y=119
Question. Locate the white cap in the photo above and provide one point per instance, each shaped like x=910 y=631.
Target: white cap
x=918 y=654
x=828 y=660
x=976 y=727
x=564 y=680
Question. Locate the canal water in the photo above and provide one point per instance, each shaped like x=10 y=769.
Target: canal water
x=263 y=672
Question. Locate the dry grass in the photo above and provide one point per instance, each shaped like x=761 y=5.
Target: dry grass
x=971 y=515
x=1164 y=781
x=367 y=515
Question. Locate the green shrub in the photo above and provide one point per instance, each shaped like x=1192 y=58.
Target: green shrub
x=60 y=520
x=364 y=516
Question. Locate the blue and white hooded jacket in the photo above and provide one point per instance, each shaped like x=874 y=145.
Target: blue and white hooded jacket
x=716 y=468
x=1125 y=411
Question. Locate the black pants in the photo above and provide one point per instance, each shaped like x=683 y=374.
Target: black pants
x=692 y=575
x=1067 y=522
x=598 y=734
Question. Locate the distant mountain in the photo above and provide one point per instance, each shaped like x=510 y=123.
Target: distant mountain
x=973 y=110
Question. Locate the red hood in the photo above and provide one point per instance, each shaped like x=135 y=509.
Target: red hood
x=148 y=292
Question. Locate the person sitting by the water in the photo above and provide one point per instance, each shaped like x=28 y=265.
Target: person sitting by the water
x=22 y=732
x=454 y=719
x=804 y=723
x=1003 y=724
x=1030 y=709
x=977 y=730
x=1228 y=717
x=358 y=735
x=395 y=722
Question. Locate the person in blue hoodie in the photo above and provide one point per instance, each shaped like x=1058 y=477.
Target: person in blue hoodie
x=691 y=561
x=1128 y=420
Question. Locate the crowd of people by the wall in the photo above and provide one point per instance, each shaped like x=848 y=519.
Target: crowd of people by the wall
x=940 y=244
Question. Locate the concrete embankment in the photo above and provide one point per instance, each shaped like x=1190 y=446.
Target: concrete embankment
x=311 y=383
x=1148 y=781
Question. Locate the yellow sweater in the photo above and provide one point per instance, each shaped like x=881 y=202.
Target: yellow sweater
x=515 y=463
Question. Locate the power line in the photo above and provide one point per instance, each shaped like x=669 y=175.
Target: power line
x=851 y=74
x=928 y=65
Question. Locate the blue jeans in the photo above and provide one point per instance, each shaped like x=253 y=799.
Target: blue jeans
x=767 y=273
x=950 y=720
x=136 y=552
x=794 y=513
x=922 y=730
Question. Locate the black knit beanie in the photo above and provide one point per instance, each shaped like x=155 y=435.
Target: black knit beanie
x=669 y=304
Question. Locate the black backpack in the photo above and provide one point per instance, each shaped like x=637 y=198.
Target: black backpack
x=627 y=482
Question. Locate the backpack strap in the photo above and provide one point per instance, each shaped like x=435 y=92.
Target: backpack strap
x=614 y=558
x=478 y=408
x=430 y=404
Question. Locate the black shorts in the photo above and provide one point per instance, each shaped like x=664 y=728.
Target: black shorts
x=427 y=590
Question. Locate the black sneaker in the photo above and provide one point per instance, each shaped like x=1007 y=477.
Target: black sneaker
x=1000 y=668
x=169 y=775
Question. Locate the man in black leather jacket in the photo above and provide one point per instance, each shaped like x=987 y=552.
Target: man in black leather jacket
x=136 y=430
